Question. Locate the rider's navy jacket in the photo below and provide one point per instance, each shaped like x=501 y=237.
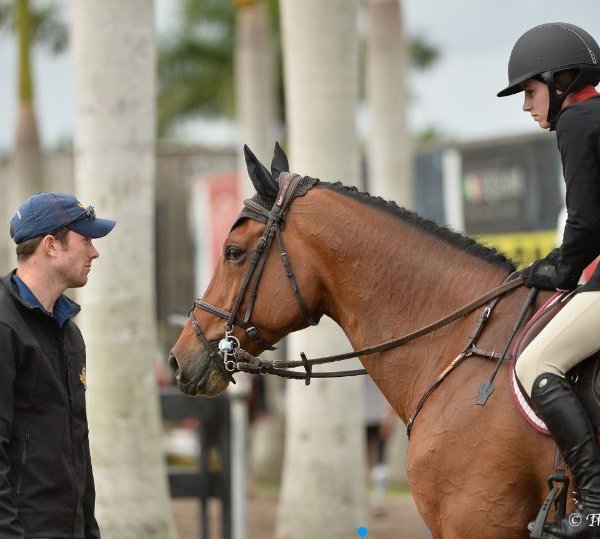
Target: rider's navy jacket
x=46 y=481
x=578 y=136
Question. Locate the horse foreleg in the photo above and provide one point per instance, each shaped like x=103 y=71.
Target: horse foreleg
x=476 y=497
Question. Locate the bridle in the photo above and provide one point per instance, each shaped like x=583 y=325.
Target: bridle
x=236 y=359
x=229 y=346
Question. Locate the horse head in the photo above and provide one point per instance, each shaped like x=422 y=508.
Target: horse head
x=249 y=303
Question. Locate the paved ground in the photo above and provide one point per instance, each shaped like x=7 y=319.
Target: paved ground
x=400 y=520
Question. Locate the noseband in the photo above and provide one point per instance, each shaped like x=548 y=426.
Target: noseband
x=289 y=187
x=236 y=359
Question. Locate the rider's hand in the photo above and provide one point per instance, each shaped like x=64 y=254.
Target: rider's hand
x=541 y=274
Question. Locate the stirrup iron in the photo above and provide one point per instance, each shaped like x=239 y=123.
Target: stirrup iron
x=556 y=496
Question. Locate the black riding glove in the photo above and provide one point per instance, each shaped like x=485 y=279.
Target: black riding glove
x=541 y=274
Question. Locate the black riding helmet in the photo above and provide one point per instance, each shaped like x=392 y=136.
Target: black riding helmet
x=545 y=51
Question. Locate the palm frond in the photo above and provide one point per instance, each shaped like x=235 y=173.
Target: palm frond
x=49 y=30
x=422 y=53
x=195 y=65
x=6 y=16
x=196 y=11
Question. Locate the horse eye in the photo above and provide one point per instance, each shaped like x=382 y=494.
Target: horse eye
x=233 y=253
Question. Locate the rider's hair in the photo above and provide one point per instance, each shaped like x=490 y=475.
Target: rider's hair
x=563 y=79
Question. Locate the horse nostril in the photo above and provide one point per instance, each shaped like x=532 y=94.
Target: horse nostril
x=173 y=364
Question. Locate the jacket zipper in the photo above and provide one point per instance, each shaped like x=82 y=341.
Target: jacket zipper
x=23 y=460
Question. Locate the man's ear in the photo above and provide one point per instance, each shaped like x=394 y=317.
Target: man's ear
x=48 y=245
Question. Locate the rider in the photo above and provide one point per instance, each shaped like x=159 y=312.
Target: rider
x=557 y=66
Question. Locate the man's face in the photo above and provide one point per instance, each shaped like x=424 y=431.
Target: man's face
x=537 y=101
x=74 y=259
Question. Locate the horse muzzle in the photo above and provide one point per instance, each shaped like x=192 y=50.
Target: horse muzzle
x=199 y=377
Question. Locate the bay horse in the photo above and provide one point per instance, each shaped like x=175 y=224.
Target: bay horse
x=380 y=271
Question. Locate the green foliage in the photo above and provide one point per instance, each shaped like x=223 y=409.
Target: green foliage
x=5 y=16
x=428 y=136
x=195 y=64
x=48 y=29
x=32 y=23
x=422 y=54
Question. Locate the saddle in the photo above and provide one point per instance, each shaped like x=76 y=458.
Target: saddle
x=584 y=377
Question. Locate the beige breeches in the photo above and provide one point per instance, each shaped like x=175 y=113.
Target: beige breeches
x=570 y=337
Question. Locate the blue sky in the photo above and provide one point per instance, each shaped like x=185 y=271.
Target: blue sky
x=457 y=96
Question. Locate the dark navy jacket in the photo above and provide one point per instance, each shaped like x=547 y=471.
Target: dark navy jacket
x=46 y=481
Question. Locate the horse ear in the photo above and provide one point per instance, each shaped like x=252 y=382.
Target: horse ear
x=260 y=176
x=280 y=162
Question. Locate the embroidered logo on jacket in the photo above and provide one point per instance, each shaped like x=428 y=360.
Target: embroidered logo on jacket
x=83 y=378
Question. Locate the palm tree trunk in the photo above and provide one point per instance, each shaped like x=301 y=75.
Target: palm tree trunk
x=25 y=176
x=322 y=492
x=255 y=86
x=390 y=170
x=114 y=52
x=389 y=148
x=25 y=34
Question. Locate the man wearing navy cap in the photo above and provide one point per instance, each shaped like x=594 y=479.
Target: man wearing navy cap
x=46 y=482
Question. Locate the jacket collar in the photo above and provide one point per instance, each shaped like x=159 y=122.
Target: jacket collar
x=64 y=308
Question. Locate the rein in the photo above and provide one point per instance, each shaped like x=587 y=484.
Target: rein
x=236 y=359
x=256 y=365
x=388 y=345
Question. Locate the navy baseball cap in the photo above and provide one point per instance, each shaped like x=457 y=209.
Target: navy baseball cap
x=44 y=213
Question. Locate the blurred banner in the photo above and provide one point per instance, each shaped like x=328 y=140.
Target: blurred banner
x=216 y=202
x=522 y=247
x=527 y=247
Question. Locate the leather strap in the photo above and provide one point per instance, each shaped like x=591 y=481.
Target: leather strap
x=256 y=365
x=405 y=339
x=212 y=350
x=288 y=185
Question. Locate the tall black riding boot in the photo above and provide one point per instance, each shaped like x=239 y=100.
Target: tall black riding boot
x=573 y=433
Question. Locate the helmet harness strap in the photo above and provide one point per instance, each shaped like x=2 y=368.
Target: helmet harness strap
x=585 y=75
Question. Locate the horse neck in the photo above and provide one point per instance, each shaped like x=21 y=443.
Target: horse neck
x=384 y=278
